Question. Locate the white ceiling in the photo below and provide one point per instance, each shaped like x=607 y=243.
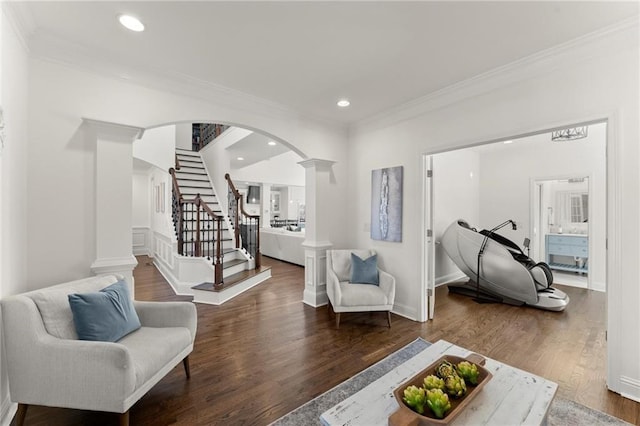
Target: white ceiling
x=306 y=55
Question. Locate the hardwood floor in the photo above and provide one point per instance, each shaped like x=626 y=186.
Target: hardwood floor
x=264 y=353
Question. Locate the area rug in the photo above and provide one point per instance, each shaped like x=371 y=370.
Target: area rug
x=562 y=412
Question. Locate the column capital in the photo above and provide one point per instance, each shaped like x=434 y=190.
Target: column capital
x=317 y=163
x=115 y=131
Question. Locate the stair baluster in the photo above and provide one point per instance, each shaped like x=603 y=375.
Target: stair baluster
x=246 y=226
x=193 y=211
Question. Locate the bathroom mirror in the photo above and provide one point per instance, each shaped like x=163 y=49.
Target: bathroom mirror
x=572 y=207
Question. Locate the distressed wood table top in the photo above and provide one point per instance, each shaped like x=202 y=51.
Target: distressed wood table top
x=511 y=397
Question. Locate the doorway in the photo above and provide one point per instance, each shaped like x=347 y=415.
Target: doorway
x=489 y=183
x=561 y=228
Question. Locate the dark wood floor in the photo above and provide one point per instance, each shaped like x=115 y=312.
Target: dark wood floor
x=264 y=353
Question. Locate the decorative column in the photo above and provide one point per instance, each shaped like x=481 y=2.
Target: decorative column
x=113 y=191
x=316 y=243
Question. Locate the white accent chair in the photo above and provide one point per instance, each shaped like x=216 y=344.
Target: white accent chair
x=47 y=365
x=345 y=296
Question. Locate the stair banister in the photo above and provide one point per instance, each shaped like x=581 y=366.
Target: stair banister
x=178 y=209
x=236 y=208
x=177 y=202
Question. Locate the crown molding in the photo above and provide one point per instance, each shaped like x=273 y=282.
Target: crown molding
x=51 y=48
x=617 y=37
x=21 y=19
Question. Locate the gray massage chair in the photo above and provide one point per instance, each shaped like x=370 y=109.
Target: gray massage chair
x=505 y=275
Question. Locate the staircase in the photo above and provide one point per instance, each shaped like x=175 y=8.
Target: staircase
x=203 y=234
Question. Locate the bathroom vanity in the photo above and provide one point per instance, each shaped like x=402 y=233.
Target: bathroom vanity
x=567 y=252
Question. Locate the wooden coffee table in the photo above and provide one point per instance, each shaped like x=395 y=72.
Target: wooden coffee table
x=511 y=397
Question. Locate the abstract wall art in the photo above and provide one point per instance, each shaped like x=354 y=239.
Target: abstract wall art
x=386 y=204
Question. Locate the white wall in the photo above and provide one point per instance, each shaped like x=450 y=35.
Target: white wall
x=456 y=195
x=59 y=96
x=141 y=199
x=593 y=78
x=157 y=146
x=282 y=169
x=14 y=258
x=507 y=174
x=141 y=212
x=183 y=136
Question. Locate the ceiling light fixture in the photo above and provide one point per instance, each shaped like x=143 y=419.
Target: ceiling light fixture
x=507 y=142
x=271 y=143
x=343 y=103
x=569 y=134
x=131 y=23
x=240 y=158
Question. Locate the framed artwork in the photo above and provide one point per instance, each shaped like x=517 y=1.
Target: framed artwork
x=386 y=204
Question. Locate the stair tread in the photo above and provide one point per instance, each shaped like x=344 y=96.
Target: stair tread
x=232 y=280
x=192 y=173
x=233 y=262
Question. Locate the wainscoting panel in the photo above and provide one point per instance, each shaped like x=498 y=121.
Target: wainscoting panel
x=140 y=240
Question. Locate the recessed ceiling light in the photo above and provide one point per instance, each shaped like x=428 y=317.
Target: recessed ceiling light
x=343 y=103
x=131 y=23
x=240 y=158
x=271 y=143
x=506 y=142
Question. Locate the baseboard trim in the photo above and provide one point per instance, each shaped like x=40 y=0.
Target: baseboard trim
x=633 y=385
x=171 y=279
x=7 y=411
x=445 y=279
x=405 y=311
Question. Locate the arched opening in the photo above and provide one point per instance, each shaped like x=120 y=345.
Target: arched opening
x=260 y=168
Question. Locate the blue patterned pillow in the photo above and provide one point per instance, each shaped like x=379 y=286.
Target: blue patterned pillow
x=364 y=271
x=105 y=316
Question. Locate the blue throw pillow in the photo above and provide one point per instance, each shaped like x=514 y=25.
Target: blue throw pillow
x=105 y=316
x=364 y=271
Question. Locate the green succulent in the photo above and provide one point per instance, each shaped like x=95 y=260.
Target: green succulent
x=469 y=372
x=438 y=402
x=446 y=369
x=415 y=398
x=455 y=386
x=433 y=382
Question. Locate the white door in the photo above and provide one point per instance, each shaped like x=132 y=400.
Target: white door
x=429 y=245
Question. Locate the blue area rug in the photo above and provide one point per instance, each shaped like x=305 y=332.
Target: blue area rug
x=562 y=412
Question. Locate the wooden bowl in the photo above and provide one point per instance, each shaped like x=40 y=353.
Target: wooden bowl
x=405 y=416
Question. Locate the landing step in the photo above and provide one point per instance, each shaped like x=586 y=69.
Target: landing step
x=233 y=262
x=231 y=280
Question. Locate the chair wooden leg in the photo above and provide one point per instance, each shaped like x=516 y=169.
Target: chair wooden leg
x=389 y=318
x=124 y=418
x=187 y=370
x=21 y=413
x=337 y=320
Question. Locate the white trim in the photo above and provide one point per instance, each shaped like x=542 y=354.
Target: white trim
x=7 y=411
x=615 y=300
x=405 y=311
x=621 y=35
x=21 y=19
x=449 y=278
x=48 y=47
x=634 y=385
x=140 y=247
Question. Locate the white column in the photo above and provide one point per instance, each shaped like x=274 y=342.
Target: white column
x=316 y=243
x=113 y=190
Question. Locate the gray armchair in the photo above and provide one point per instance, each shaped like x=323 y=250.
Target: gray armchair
x=345 y=296
x=48 y=366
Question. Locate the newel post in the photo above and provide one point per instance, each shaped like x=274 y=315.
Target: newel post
x=113 y=197
x=316 y=243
